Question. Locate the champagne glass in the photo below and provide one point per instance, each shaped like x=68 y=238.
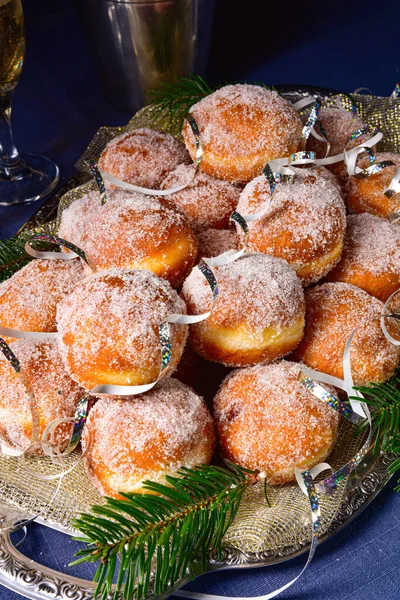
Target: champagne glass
x=23 y=178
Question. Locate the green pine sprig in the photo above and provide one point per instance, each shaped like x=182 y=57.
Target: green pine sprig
x=162 y=536
x=12 y=256
x=176 y=97
x=383 y=399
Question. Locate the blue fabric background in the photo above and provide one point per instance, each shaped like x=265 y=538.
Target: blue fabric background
x=58 y=107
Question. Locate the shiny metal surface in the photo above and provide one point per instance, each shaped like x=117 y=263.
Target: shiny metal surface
x=136 y=45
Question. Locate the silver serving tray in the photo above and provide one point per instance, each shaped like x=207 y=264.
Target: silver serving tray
x=38 y=582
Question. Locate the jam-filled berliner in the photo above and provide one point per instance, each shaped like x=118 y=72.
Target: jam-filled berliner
x=258 y=315
x=371 y=256
x=213 y=242
x=267 y=420
x=143 y=157
x=241 y=128
x=134 y=231
x=304 y=224
x=109 y=328
x=55 y=393
x=146 y=437
x=206 y=201
x=367 y=194
x=28 y=299
x=333 y=311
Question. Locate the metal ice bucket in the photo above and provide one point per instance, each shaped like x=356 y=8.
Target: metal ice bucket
x=137 y=45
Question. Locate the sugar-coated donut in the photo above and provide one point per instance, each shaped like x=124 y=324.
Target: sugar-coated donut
x=29 y=298
x=304 y=225
x=213 y=242
x=267 y=420
x=134 y=231
x=143 y=157
x=109 y=328
x=206 y=201
x=258 y=315
x=333 y=311
x=241 y=128
x=339 y=124
x=371 y=256
x=55 y=393
x=81 y=215
x=146 y=437
x=367 y=194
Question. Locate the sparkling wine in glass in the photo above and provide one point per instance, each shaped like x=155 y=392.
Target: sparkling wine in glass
x=23 y=177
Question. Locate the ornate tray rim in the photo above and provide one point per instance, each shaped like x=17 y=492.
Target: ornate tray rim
x=37 y=582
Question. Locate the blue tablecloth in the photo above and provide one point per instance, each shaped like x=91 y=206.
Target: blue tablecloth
x=58 y=107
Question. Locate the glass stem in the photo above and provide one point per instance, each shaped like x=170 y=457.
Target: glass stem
x=10 y=161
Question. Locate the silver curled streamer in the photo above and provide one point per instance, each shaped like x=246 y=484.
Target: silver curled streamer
x=396 y=91
x=95 y=171
x=149 y=192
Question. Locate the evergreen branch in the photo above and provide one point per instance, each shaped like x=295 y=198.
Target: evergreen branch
x=175 y=98
x=12 y=256
x=383 y=400
x=162 y=535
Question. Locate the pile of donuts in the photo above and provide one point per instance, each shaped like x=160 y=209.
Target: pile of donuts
x=319 y=262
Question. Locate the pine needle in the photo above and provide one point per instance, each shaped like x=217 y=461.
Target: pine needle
x=12 y=256
x=161 y=537
x=176 y=97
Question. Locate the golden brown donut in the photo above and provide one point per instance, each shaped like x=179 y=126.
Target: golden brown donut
x=304 y=225
x=109 y=328
x=258 y=315
x=333 y=311
x=143 y=157
x=55 y=393
x=367 y=194
x=206 y=201
x=133 y=231
x=146 y=437
x=339 y=124
x=80 y=215
x=267 y=420
x=28 y=299
x=213 y=242
x=241 y=128
x=371 y=256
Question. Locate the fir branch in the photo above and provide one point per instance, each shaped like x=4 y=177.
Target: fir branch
x=176 y=97
x=12 y=256
x=383 y=400
x=162 y=536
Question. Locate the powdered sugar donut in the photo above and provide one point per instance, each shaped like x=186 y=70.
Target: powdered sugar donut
x=371 y=256
x=81 y=215
x=333 y=311
x=28 y=299
x=304 y=224
x=143 y=157
x=134 y=231
x=206 y=201
x=339 y=124
x=213 y=242
x=367 y=194
x=267 y=420
x=146 y=437
x=109 y=328
x=241 y=128
x=258 y=315
x=55 y=393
